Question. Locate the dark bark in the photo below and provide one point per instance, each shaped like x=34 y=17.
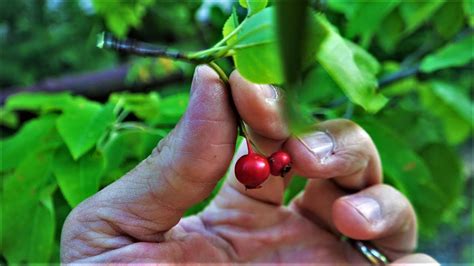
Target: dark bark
x=93 y=84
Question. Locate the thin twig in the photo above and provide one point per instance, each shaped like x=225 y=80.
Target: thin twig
x=403 y=73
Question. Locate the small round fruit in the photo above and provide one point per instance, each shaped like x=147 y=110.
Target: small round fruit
x=280 y=163
x=252 y=170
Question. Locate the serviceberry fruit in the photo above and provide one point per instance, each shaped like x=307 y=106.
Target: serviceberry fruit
x=280 y=163
x=252 y=169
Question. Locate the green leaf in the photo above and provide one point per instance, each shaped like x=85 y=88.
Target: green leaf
x=77 y=179
x=171 y=109
x=127 y=144
x=256 y=50
x=452 y=55
x=451 y=106
x=468 y=6
x=27 y=215
x=446 y=168
x=32 y=232
x=347 y=7
x=37 y=134
x=415 y=13
x=448 y=21
x=297 y=184
x=230 y=24
x=253 y=6
x=424 y=127
x=390 y=31
x=152 y=108
x=82 y=126
x=340 y=61
x=364 y=60
x=408 y=173
x=8 y=118
x=367 y=18
x=39 y=101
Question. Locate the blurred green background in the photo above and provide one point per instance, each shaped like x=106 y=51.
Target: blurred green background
x=75 y=118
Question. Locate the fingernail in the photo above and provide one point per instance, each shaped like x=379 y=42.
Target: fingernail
x=319 y=143
x=367 y=207
x=269 y=92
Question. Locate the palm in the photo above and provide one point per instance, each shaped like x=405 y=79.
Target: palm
x=260 y=232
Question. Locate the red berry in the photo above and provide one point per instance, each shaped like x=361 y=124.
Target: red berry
x=280 y=163
x=252 y=170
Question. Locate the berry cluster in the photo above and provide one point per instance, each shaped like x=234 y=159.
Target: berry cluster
x=253 y=169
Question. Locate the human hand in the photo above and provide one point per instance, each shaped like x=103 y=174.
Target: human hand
x=138 y=218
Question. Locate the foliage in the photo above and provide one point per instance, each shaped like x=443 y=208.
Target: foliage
x=59 y=149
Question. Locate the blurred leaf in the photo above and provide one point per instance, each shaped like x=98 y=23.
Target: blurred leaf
x=390 y=31
x=253 y=6
x=448 y=21
x=344 y=66
x=77 y=179
x=146 y=70
x=468 y=6
x=27 y=215
x=367 y=17
x=8 y=118
x=452 y=107
x=197 y=208
x=33 y=232
x=39 y=101
x=144 y=106
x=122 y=15
x=424 y=128
x=452 y=55
x=129 y=144
x=34 y=135
x=446 y=168
x=293 y=19
x=82 y=125
x=172 y=108
x=408 y=173
x=231 y=23
x=347 y=7
x=415 y=13
x=364 y=60
x=153 y=108
x=297 y=184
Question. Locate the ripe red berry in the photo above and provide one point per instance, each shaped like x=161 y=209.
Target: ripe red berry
x=252 y=170
x=280 y=163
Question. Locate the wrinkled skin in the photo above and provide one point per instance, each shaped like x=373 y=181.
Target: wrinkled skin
x=138 y=218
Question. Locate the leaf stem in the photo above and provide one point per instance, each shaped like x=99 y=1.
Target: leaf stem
x=230 y=35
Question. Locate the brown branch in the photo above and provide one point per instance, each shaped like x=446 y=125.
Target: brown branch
x=93 y=84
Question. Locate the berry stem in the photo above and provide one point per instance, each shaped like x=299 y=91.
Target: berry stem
x=249 y=146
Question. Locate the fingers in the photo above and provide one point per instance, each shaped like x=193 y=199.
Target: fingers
x=381 y=214
x=339 y=149
x=181 y=171
x=260 y=107
x=416 y=259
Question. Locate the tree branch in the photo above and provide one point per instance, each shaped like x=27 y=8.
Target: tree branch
x=401 y=74
x=93 y=84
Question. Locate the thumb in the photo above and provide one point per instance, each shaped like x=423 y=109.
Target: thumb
x=182 y=170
